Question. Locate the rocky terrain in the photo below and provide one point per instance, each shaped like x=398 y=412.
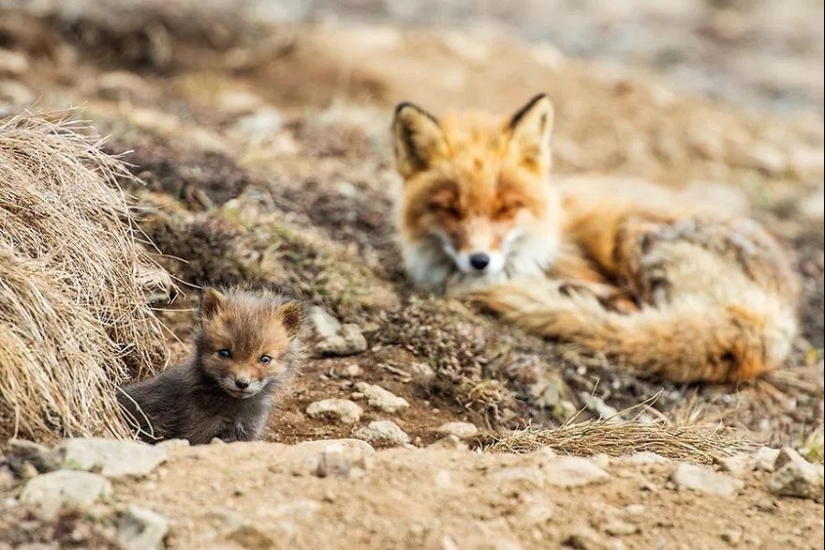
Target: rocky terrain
x=264 y=150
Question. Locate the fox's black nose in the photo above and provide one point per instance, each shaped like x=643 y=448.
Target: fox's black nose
x=242 y=383
x=479 y=260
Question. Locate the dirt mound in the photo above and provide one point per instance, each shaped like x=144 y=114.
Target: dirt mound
x=73 y=283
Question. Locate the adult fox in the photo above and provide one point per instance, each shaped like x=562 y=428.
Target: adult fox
x=668 y=287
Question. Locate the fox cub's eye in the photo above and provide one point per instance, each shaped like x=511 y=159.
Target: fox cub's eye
x=225 y=353
x=266 y=359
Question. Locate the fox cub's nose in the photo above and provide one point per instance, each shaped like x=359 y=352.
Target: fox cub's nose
x=479 y=260
x=242 y=383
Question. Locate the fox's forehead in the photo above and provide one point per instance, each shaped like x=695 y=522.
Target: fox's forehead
x=247 y=332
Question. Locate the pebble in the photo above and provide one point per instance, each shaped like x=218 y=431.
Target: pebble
x=110 y=457
x=462 y=430
x=142 y=529
x=13 y=63
x=764 y=459
x=338 y=410
x=264 y=122
x=573 y=471
x=52 y=490
x=381 y=399
x=795 y=477
x=349 y=341
x=688 y=476
x=737 y=465
x=382 y=431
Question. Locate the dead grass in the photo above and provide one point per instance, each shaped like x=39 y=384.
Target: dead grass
x=74 y=321
x=692 y=443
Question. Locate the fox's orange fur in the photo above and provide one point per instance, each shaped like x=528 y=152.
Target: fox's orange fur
x=671 y=287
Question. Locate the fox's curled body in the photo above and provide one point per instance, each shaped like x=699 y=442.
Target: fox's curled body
x=670 y=287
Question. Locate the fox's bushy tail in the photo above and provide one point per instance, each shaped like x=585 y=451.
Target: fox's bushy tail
x=691 y=338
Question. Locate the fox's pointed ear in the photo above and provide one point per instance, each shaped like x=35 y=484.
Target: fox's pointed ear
x=531 y=128
x=212 y=302
x=291 y=315
x=418 y=139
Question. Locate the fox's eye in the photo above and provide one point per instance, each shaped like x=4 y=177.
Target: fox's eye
x=225 y=353
x=447 y=210
x=509 y=208
x=266 y=359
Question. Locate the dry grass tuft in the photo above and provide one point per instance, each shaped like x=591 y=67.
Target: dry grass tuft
x=692 y=443
x=74 y=321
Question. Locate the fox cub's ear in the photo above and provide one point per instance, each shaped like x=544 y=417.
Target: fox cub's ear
x=418 y=138
x=291 y=315
x=531 y=128
x=212 y=302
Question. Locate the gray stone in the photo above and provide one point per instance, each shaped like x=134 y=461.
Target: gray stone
x=339 y=410
x=323 y=324
x=796 y=477
x=573 y=471
x=142 y=529
x=695 y=478
x=462 y=430
x=49 y=492
x=349 y=341
x=737 y=465
x=764 y=459
x=382 y=431
x=265 y=122
x=381 y=399
x=110 y=457
x=39 y=456
x=13 y=63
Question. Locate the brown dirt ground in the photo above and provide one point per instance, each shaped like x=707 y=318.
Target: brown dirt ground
x=306 y=207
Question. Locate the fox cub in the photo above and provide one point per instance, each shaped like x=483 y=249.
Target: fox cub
x=669 y=287
x=245 y=348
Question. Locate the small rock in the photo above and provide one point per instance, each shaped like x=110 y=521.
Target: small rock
x=236 y=103
x=13 y=63
x=533 y=477
x=120 y=84
x=250 y=537
x=737 y=465
x=766 y=157
x=349 y=341
x=7 y=480
x=795 y=477
x=383 y=431
x=381 y=399
x=548 y=55
x=646 y=458
x=51 y=491
x=266 y=121
x=319 y=445
x=450 y=441
x=352 y=371
x=38 y=456
x=323 y=324
x=141 y=529
x=765 y=458
x=339 y=410
x=732 y=536
x=462 y=430
x=688 y=476
x=333 y=462
x=573 y=471
x=620 y=528
x=153 y=120
x=422 y=371
x=598 y=406
x=15 y=93
x=110 y=457
x=585 y=538
x=635 y=509
x=217 y=441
